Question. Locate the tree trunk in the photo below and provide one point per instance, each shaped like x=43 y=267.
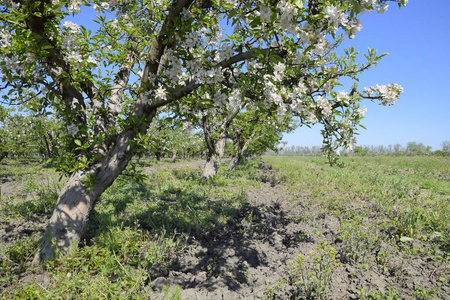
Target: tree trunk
x=174 y=155
x=77 y=199
x=237 y=147
x=158 y=156
x=240 y=154
x=233 y=163
x=211 y=167
x=220 y=147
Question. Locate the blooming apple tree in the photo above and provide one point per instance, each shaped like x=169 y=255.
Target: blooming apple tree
x=28 y=135
x=255 y=132
x=107 y=85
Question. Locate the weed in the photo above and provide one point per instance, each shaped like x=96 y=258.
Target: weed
x=420 y=293
x=270 y=292
x=313 y=280
x=358 y=241
x=14 y=257
x=389 y=293
x=174 y=295
x=408 y=222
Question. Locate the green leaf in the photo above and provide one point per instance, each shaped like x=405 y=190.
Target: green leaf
x=356 y=6
x=78 y=142
x=406 y=239
x=299 y=3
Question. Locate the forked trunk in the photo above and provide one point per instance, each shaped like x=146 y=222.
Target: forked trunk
x=241 y=153
x=78 y=197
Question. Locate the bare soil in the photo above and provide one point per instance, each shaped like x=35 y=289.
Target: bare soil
x=253 y=256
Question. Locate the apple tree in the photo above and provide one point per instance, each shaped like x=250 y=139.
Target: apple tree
x=107 y=81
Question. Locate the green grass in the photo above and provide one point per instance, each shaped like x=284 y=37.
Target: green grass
x=141 y=228
x=410 y=193
x=138 y=230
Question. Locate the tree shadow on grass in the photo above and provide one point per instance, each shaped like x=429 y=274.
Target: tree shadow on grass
x=225 y=235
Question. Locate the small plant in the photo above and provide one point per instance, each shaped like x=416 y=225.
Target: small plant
x=212 y=267
x=17 y=255
x=408 y=222
x=174 y=295
x=420 y=293
x=382 y=259
x=389 y=293
x=312 y=281
x=357 y=240
x=242 y=274
x=271 y=291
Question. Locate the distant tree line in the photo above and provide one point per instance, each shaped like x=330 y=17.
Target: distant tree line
x=411 y=148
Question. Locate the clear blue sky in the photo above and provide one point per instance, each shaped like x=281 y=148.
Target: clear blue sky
x=417 y=38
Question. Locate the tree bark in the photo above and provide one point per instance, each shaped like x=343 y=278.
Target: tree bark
x=77 y=199
x=241 y=152
x=211 y=167
x=174 y=155
x=220 y=146
x=233 y=163
x=158 y=156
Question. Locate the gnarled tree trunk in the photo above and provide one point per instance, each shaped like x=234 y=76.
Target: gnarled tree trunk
x=78 y=197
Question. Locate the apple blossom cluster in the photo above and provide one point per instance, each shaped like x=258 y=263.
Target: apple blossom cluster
x=71 y=47
x=5 y=38
x=72 y=129
x=336 y=17
x=16 y=66
x=362 y=112
x=388 y=94
x=325 y=106
x=74 y=7
x=288 y=17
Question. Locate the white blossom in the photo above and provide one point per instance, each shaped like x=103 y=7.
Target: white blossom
x=160 y=93
x=353 y=27
x=72 y=129
x=74 y=28
x=325 y=105
x=312 y=118
x=362 y=112
x=382 y=9
x=74 y=7
x=265 y=13
x=92 y=60
x=69 y=43
x=5 y=38
x=335 y=17
x=343 y=97
x=185 y=14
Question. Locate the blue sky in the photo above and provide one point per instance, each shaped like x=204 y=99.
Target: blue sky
x=417 y=38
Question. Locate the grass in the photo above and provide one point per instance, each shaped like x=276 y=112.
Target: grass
x=411 y=194
x=138 y=231
x=141 y=229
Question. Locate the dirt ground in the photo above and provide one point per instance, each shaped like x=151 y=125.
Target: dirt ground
x=254 y=257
